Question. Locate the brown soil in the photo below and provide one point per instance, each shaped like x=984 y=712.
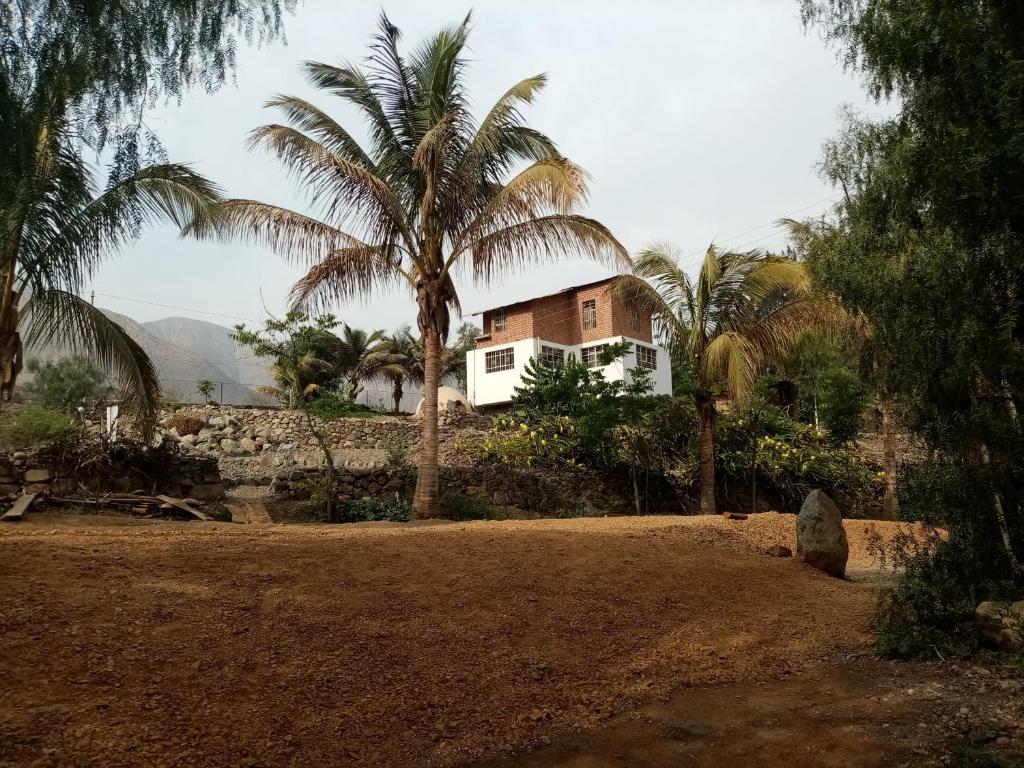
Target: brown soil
x=140 y=643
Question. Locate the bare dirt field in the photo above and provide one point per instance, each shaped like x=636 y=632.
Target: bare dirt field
x=197 y=644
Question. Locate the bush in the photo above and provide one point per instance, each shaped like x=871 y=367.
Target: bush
x=931 y=610
x=68 y=384
x=545 y=440
x=36 y=425
x=329 y=406
x=186 y=425
x=792 y=459
x=397 y=453
x=392 y=508
x=456 y=505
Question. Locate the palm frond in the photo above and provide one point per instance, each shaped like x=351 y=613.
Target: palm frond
x=300 y=238
x=547 y=238
x=346 y=273
x=312 y=120
x=61 y=318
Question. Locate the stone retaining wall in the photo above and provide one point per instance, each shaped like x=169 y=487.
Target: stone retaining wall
x=158 y=472
x=546 y=493
x=230 y=431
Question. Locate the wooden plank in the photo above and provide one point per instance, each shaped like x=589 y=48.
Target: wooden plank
x=179 y=504
x=17 y=512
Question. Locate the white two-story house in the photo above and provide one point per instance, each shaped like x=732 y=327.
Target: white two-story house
x=578 y=321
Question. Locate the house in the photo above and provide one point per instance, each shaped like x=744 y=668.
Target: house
x=577 y=321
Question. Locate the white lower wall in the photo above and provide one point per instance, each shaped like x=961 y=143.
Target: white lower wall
x=495 y=388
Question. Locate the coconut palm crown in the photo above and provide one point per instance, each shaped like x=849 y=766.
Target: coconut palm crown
x=744 y=310
x=430 y=197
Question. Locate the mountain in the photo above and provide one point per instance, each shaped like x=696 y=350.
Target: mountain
x=186 y=351
x=209 y=341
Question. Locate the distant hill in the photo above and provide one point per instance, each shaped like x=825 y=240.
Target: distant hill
x=185 y=351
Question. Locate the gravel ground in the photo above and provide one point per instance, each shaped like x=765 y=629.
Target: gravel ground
x=194 y=644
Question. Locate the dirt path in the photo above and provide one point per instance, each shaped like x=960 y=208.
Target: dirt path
x=390 y=645
x=247 y=504
x=858 y=713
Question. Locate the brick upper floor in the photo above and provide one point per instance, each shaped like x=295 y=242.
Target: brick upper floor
x=574 y=316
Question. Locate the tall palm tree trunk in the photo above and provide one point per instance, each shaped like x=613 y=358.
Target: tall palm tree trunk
x=706 y=443
x=890 y=504
x=425 y=501
x=397 y=393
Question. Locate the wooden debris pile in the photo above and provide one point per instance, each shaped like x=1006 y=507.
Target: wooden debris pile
x=138 y=504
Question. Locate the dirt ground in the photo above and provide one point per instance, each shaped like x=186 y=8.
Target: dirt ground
x=582 y=643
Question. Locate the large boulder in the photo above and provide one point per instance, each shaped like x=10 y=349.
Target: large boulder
x=449 y=400
x=820 y=538
x=1002 y=624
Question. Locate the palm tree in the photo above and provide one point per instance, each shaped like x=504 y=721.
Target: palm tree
x=428 y=200
x=361 y=356
x=743 y=311
x=56 y=227
x=408 y=365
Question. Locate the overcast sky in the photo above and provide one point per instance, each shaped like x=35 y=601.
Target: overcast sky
x=698 y=120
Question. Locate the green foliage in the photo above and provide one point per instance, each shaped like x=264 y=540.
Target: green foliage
x=397 y=452
x=592 y=405
x=392 y=508
x=36 y=425
x=328 y=406
x=829 y=389
x=205 y=388
x=545 y=440
x=456 y=505
x=68 y=384
x=219 y=511
x=792 y=458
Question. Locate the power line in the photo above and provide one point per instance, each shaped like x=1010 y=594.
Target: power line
x=173 y=306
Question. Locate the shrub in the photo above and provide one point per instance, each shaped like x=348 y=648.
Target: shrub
x=36 y=425
x=456 y=505
x=397 y=453
x=931 y=609
x=544 y=440
x=68 y=384
x=329 y=406
x=392 y=508
x=792 y=458
x=186 y=425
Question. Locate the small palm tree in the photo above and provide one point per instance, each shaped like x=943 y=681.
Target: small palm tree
x=408 y=365
x=56 y=228
x=743 y=311
x=428 y=200
x=361 y=356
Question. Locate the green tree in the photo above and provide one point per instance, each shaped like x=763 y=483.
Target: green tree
x=58 y=228
x=118 y=58
x=929 y=246
x=299 y=345
x=429 y=198
x=205 y=388
x=743 y=311
x=68 y=384
x=465 y=341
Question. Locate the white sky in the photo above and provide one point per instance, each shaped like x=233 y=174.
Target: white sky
x=698 y=120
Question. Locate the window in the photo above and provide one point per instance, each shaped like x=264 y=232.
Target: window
x=500 y=320
x=590 y=314
x=552 y=355
x=646 y=357
x=635 y=316
x=592 y=355
x=499 y=360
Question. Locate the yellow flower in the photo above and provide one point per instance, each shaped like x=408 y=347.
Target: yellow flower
x=543 y=442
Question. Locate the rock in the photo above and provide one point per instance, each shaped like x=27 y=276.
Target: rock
x=218 y=422
x=230 y=446
x=38 y=475
x=188 y=440
x=1002 y=624
x=204 y=435
x=247 y=445
x=820 y=537
x=779 y=551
